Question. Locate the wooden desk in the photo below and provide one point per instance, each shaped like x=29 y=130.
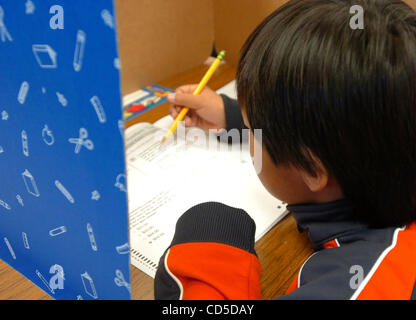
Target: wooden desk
x=281 y=251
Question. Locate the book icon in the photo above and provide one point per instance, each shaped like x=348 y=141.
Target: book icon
x=45 y=56
x=88 y=285
x=30 y=183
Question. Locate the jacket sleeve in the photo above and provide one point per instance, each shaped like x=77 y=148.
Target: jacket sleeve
x=211 y=257
x=326 y=275
x=233 y=117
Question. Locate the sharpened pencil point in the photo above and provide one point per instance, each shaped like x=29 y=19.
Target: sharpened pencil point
x=162 y=144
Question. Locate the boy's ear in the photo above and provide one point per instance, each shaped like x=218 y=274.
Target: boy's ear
x=319 y=181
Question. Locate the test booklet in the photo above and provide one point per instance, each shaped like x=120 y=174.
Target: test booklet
x=163 y=183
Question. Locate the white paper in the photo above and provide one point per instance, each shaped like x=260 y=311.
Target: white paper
x=163 y=184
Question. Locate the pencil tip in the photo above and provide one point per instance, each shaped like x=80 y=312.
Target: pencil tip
x=162 y=144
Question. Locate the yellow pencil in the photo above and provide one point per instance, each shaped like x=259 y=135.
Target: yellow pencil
x=197 y=91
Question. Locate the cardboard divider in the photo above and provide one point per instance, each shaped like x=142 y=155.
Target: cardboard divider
x=159 y=39
x=234 y=22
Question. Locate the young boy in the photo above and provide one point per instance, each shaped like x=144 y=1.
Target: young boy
x=337 y=109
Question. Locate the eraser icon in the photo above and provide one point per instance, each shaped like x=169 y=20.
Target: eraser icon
x=24 y=88
x=45 y=56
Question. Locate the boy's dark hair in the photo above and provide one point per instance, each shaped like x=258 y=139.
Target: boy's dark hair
x=315 y=85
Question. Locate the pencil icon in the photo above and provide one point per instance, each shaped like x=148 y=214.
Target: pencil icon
x=64 y=191
x=197 y=91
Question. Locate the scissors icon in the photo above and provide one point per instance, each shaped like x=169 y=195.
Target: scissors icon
x=82 y=141
x=3 y=30
x=119 y=280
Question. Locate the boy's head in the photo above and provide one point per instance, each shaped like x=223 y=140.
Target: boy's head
x=336 y=105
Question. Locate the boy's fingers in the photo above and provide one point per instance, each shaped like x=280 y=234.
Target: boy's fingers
x=189 y=88
x=173 y=111
x=185 y=99
x=189 y=122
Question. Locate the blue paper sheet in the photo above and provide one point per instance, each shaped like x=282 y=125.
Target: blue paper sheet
x=63 y=202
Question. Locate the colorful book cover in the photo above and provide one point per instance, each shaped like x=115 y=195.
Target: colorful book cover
x=144 y=100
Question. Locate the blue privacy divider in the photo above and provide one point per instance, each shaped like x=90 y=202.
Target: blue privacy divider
x=63 y=202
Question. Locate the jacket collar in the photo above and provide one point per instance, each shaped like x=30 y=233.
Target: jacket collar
x=326 y=221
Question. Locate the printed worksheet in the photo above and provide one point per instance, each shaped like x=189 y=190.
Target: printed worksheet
x=165 y=182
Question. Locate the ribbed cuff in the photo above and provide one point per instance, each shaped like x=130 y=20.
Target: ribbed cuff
x=216 y=222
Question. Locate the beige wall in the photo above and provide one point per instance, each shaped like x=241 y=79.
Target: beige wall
x=161 y=38
x=235 y=20
x=412 y=3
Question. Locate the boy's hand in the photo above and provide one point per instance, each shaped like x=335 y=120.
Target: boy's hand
x=206 y=110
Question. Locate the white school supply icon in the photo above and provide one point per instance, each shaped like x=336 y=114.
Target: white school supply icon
x=62 y=100
x=82 y=141
x=4 y=115
x=79 y=50
x=30 y=7
x=25 y=145
x=121 y=182
x=123 y=249
x=47 y=136
x=95 y=195
x=5 y=205
x=64 y=191
x=3 y=30
x=25 y=240
x=10 y=248
x=30 y=183
x=98 y=107
x=107 y=18
x=91 y=237
x=24 y=89
x=57 y=231
x=45 y=282
x=89 y=285
x=116 y=63
x=20 y=200
x=120 y=281
x=45 y=56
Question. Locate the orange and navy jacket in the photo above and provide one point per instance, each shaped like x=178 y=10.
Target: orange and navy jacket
x=212 y=256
